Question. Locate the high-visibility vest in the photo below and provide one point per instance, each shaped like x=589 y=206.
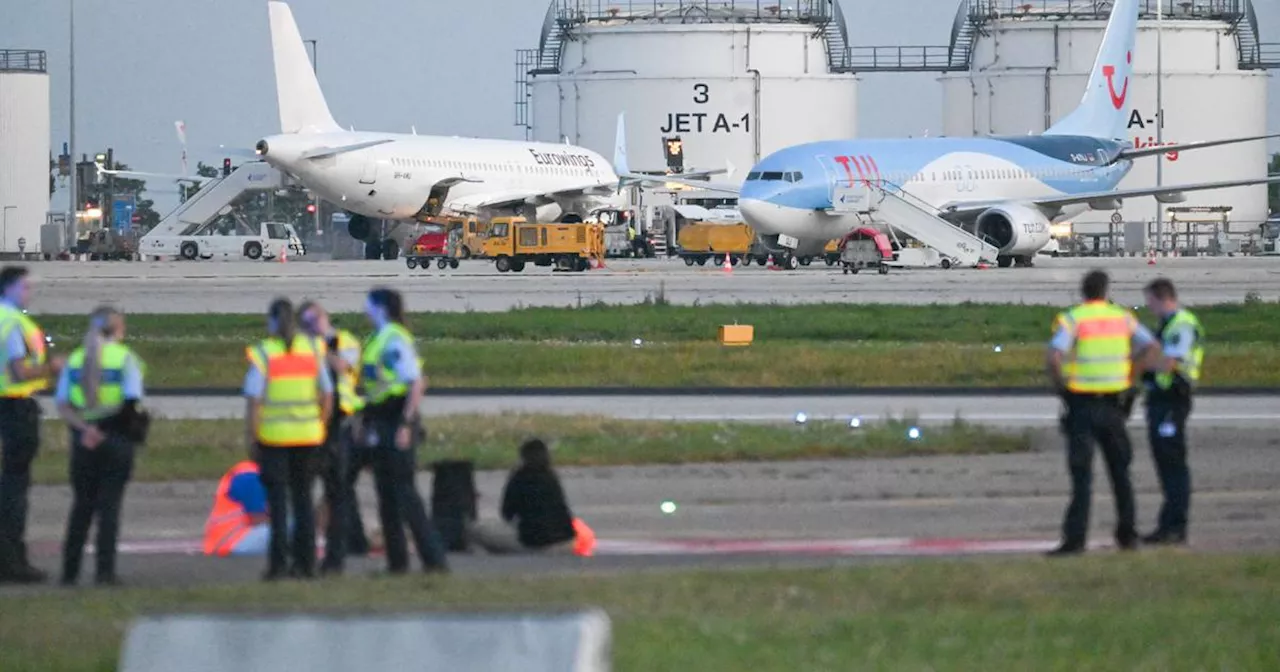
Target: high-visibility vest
x=1189 y=367
x=1100 y=360
x=228 y=523
x=113 y=360
x=349 y=400
x=11 y=318
x=377 y=379
x=291 y=404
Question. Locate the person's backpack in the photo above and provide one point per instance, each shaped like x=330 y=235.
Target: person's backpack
x=453 y=501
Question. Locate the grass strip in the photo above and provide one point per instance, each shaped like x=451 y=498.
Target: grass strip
x=768 y=363
x=1153 y=611
x=1251 y=322
x=204 y=449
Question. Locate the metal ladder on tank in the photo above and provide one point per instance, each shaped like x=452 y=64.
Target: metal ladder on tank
x=898 y=208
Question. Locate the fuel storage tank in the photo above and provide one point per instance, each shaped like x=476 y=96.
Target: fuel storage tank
x=1030 y=61
x=732 y=80
x=24 y=149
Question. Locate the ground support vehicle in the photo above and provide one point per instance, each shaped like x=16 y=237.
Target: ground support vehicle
x=432 y=246
x=242 y=240
x=702 y=242
x=515 y=243
x=865 y=248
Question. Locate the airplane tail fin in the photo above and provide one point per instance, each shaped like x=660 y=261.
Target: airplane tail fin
x=620 y=166
x=1103 y=111
x=302 y=105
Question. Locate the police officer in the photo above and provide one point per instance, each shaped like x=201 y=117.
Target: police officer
x=289 y=397
x=1090 y=362
x=25 y=369
x=1169 y=389
x=98 y=395
x=342 y=356
x=393 y=383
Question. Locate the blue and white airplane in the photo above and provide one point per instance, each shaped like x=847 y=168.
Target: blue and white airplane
x=1006 y=190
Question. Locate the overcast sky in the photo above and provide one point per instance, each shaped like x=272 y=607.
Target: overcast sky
x=444 y=66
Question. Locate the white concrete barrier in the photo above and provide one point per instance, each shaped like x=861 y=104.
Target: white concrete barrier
x=546 y=642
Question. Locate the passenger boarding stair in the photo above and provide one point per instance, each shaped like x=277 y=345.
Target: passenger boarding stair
x=890 y=204
x=193 y=216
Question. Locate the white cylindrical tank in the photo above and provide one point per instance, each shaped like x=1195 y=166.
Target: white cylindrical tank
x=732 y=88
x=24 y=149
x=1031 y=71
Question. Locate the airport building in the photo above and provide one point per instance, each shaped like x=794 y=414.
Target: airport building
x=1028 y=63
x=731 y=80
x=24 y=149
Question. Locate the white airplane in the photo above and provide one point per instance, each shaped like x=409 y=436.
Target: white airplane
x=399 y=176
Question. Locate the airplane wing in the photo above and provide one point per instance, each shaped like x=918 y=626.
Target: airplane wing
x=474 y=202
x=1107 y=200
x=1186 y=147
x=138 y=175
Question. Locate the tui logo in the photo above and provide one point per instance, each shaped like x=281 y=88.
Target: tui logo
x=1109 y=71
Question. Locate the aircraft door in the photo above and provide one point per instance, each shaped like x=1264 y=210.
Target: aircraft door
x=831 y=173
x=369 y=171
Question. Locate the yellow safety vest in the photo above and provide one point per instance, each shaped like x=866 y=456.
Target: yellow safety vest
x=1189 y=367
x=291 y=405
x=1100 y=360
x=377 y=376
x=349 y=400
x=115 y=358
x=11 y=318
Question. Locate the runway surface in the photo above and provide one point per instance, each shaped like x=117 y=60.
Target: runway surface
x=1002 y=411
x=247 y=287
x=799 y=513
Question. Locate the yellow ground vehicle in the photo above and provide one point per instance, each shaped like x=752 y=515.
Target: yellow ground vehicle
x=831 y=253
x=513 y=242
x=702 y=242
x=469 y=240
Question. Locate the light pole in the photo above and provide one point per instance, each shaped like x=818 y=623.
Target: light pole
x=315 y=198
x=1159 y=117
x=5 y=245
x=75 y=172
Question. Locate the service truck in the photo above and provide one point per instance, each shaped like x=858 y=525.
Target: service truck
x=242 y=240
x=513 y=243
x=701 y=242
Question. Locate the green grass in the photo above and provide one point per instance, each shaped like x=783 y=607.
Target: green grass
x=1154 y=611
x=823 y=345
x=204 y=449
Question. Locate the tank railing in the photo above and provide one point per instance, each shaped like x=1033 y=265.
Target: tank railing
x=695 y=11
x=906 y=58
x=1266 y=55
x=23 y=60
x=1101 y=9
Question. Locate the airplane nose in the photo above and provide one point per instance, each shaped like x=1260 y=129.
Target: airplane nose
x=761 y=215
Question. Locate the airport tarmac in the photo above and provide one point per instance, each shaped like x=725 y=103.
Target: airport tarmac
x=1000 y=411
x=806 y=513
x=247 y=287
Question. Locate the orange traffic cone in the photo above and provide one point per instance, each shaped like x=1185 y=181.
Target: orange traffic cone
x=728 y=264
x=771 y=264
x=284 y=253
x=1151 y=260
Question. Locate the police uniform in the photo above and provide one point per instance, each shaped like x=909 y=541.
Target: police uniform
x=1168 y=407
x=390 y=366
x=21 y=340
x=1097 y=339
x=339 y=491
x=99 y=475
x=289 y=384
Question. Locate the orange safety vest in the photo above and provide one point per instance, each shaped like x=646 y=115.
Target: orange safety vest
x=228 y=523
x=584 y=543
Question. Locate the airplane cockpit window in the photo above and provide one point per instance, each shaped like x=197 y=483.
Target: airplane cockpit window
x=771 y=177
x=751 y=177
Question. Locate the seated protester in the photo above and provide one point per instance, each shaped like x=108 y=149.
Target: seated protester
x=535 y=515
x=238 y=524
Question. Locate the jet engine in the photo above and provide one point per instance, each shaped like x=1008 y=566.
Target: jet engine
x=1018 y=230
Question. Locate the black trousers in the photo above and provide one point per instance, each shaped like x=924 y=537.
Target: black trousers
x=1100 y=420
x=1167 y=431
x=20 y=441
x=332 y=466
x=287 y=475
x=98 y=481
x=400 y=503
x=359 y=458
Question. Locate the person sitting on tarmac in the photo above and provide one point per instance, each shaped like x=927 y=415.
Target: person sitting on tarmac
x=238 y=524
x=535 y=514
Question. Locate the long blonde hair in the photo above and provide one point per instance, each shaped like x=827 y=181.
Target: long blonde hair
x=104 y=322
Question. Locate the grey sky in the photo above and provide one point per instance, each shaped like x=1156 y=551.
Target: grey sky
x=444 y=66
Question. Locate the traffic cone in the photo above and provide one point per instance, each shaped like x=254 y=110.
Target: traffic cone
x=1151 y=260
x=728 y=264
x=771 y=265
x=284 y=253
